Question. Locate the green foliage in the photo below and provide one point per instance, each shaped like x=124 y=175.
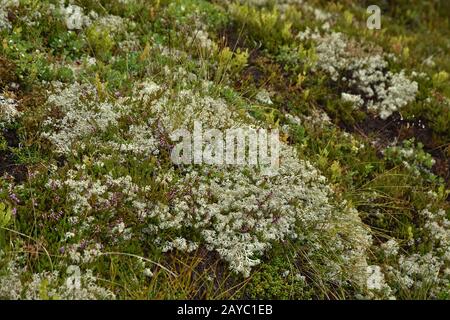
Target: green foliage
x=68 y=44
x=231 y=63
x=3 y=143
x=412 y=156
x=100 y=42
x=183 y=11
x=5 y=214
x=278 y=279
x=263 y=25
x=440 y=79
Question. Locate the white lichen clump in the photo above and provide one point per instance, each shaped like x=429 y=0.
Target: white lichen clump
x=421 y=272
x=365 y=76
x=202 y=40
x=83 y=115
x=75 y=18
x=76 y=285
x=8 y=110
x=263 y=96
x=4 y=6
x=236 y=211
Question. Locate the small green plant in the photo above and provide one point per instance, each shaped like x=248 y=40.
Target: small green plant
x=100 y=42
x=5 y=214
x=264 y=24
x=440 y=79
x=3 y=144
x=412 y=156
x=231 y=63
x=278 y=280
x=5 y=219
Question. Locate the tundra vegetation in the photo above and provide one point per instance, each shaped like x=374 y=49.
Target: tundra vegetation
x=92 y=207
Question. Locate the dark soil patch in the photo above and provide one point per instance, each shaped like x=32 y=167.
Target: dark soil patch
x=235 y=39
x=8 y=159
x=201 y=264
x=396 y=129
x=28 y=100
x=7 y=73
x=213 y=265
x=261 y=71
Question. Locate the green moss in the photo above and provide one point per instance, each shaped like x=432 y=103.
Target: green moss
x=278 y=279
